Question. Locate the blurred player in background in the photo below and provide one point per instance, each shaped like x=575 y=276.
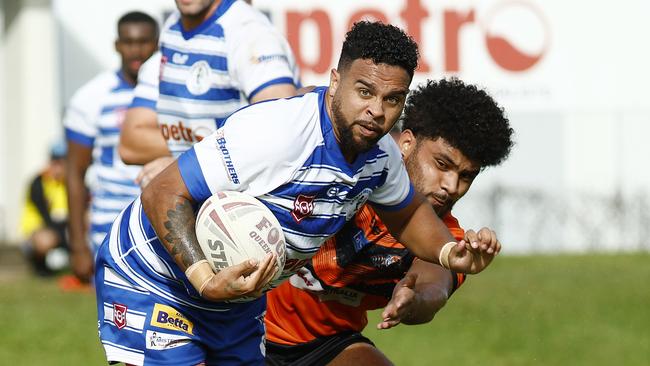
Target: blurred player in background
x=93 y=120
x=159 y=300
x=451 y=131
x=216 y=56
x=45 y=216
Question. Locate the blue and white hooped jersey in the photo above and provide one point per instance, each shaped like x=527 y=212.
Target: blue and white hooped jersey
x=206 y=74
x=285 y=153
x=94 y=118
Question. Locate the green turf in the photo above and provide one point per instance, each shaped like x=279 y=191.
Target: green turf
x=554 y=310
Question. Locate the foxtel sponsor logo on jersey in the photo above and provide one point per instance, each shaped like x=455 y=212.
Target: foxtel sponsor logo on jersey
x=225 y=158
x=180 y=132
x=169 y=318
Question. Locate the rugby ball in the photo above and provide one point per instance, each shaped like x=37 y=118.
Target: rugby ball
x=232 y=227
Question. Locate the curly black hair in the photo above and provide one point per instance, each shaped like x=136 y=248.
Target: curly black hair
x=381 y=43
x=464 y=115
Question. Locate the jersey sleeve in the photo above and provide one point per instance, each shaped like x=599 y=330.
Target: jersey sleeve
x=397 y=191
x=82 y=114
x=260 y=57
x=258 y=149
x=146 y=91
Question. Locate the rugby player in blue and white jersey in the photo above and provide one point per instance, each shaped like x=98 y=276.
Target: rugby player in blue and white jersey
x=92 y=122
x=217 y=56
x=313 y=160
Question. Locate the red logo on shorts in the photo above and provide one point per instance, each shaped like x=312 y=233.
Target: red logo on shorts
x=303 y=206
x=119 y=315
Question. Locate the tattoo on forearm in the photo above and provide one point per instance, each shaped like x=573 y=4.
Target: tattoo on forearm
x=180 y=239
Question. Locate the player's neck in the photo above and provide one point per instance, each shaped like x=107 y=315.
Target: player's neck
x=192 y=21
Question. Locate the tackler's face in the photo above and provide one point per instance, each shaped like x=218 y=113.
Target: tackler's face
x=441 y=172
x=367 y=100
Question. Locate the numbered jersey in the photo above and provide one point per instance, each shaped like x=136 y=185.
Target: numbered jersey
x=94 y=118
x=206 y=74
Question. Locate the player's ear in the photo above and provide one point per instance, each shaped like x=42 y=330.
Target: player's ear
x=406 y=142
x=334 y=82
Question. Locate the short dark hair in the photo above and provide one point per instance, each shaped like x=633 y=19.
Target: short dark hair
x=381 y=43
x=464 y=115
x=137 y=17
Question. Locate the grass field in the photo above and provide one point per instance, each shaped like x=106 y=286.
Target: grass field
x=550 y=310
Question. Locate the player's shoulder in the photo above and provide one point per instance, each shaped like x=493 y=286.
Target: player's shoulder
x=96 y=88
x=285 y=114
x=242 y=19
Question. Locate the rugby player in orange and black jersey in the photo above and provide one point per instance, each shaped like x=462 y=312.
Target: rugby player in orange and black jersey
x=451 y=131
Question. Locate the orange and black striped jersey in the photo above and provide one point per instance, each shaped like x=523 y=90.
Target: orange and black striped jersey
x=353 y=272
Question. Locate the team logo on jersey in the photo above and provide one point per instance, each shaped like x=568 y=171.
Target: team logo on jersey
x=169 y=318
x=303 y=206
x=198 y=81
x=119 y=315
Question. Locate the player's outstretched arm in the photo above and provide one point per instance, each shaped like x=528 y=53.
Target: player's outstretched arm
x=418 y=296
x=168 y=205
x=419 y=228
x=77 y=162
x=140 y=137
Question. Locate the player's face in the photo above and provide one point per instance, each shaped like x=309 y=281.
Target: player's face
x=136 y=43
x=366 y=101
x=437 y=170
x=193 y=8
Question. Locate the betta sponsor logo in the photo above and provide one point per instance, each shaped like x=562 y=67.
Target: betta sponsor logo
x=226 y=159
x=169 y=318
x=119 y=315
x=303 y=206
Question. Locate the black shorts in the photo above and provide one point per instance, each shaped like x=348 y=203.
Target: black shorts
x=318 y=352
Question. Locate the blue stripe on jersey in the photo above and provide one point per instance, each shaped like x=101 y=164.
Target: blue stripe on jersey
x=215 y=62
x=109 y=130
x=101 y=228
x=406 y=202
x=142 y=102
x=192 y=175
x=213 y=94
x=221 y=9
x=277 y=81
x=112 y=108
x=106 y=157
x=79 y=138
